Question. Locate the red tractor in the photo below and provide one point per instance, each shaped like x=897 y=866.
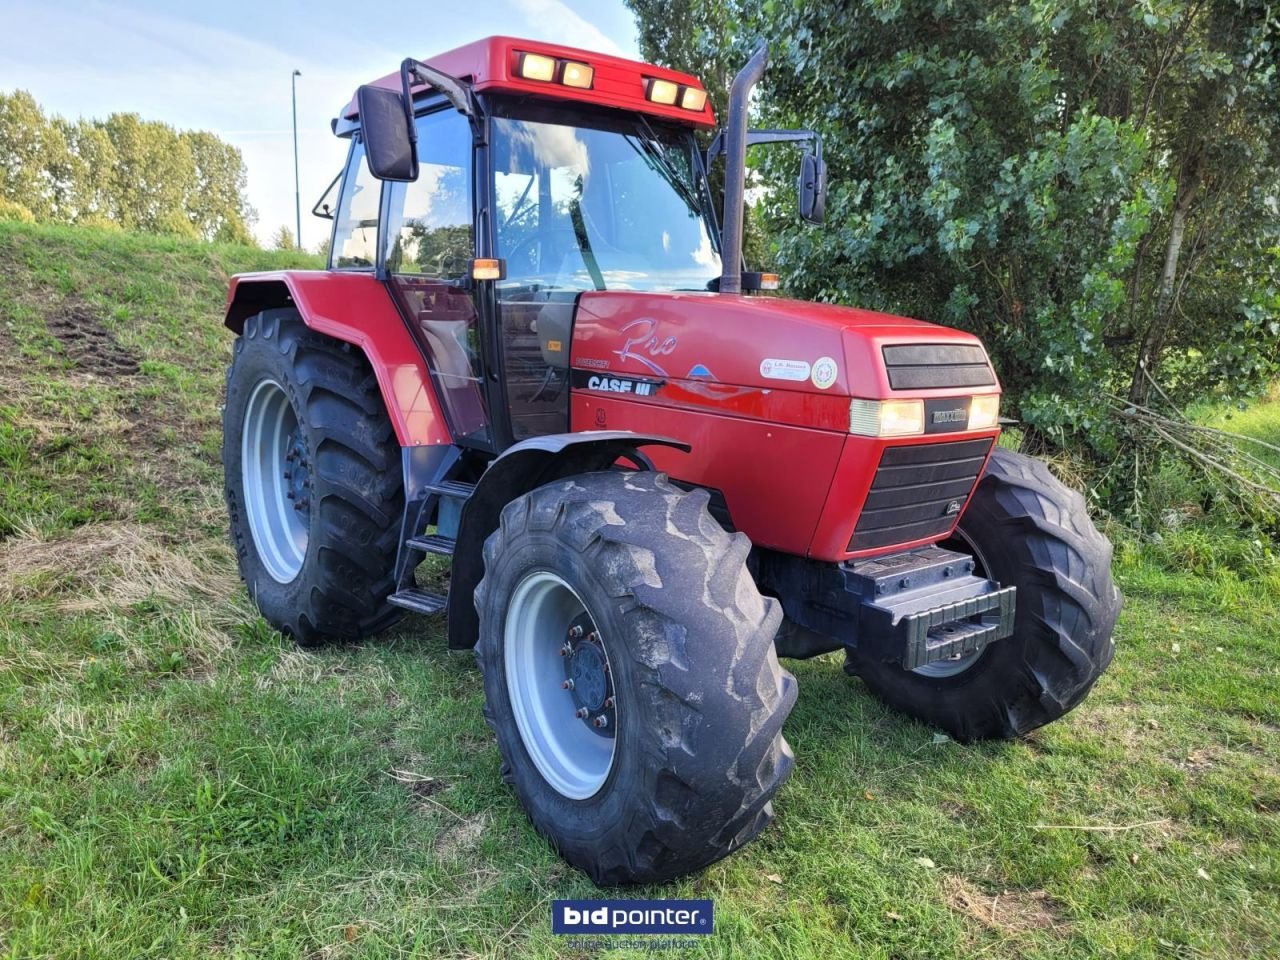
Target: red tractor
x=535 y=353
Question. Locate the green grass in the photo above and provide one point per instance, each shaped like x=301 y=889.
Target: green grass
x=176 y=781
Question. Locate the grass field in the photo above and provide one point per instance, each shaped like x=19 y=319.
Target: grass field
x=176 y=781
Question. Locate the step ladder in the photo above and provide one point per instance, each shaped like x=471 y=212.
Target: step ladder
x=420 y=545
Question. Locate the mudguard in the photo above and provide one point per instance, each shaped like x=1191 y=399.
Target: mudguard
x=354 y=308
x=521 y=468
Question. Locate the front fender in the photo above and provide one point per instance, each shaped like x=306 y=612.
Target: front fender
x=527 y=465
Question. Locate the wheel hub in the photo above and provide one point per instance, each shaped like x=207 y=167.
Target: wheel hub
x=587 y=677
x=297 y=474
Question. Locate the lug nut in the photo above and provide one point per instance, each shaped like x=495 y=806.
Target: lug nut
x=582 y=713
x=567 y=685
x=289 y=494
x=566 y=649
x=600 y=722
x=575 y=632
x=608 y=703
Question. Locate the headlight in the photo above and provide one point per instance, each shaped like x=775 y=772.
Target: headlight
x=886 y=418
x=984 y=411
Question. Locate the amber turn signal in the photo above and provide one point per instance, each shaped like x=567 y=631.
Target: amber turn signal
x=488 y=268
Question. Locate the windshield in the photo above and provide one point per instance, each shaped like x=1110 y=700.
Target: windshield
x=589 y=208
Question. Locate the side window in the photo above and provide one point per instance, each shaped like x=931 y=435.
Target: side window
x=430 y=233
x=355 y=236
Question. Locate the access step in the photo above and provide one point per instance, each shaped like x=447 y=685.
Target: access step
x=433 y=543
x=456 y=489
x=419 y=601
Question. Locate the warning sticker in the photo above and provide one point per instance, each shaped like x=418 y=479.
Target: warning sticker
x=773 y=369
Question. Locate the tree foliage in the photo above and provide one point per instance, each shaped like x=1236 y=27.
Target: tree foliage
x=123 y=171
x=1089 y=185
x=283 y=239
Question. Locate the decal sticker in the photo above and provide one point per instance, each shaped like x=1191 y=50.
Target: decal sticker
x=643 y=338
x=700 y=370
x=825 y=372
x=636 y=386
x=593 y=363
x=555 y=346
x=773 y=369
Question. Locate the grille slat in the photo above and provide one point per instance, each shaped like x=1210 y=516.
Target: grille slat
x=918 y=491
x=922 y=366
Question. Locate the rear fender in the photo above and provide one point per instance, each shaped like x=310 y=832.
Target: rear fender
x=354 y=308
x=521 y=468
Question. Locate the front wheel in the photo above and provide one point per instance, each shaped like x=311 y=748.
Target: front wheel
x=1025 y=529
x=630 y=676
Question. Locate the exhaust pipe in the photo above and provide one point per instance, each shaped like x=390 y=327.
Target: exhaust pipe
x=735 y=170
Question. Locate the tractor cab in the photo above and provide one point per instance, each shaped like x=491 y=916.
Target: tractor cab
x=494 y=185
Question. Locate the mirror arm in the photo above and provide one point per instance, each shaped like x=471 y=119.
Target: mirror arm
x=454 y=90
x=768 y=136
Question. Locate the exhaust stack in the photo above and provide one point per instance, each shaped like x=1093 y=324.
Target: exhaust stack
x=735 y=171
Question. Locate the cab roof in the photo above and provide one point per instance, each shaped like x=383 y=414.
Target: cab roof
x=489 y=66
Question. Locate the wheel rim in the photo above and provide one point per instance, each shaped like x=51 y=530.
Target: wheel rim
x=277 y=481
x=954 y=666
x=560 y=685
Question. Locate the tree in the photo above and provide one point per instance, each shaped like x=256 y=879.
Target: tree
x=283 y=239
x=124 y=171
x=216 y=202
x=29 y=146
x=1089 y=185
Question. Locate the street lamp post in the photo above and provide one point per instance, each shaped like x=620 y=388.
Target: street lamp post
x=297 y=186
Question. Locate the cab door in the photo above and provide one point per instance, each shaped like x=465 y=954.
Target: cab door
x=428 y=241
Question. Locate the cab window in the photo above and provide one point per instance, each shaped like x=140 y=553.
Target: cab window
x=355 y=235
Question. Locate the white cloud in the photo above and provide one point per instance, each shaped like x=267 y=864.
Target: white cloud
x=553 y=21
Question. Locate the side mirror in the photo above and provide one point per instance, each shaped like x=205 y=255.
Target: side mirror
x=386 y=126
x=813 y=188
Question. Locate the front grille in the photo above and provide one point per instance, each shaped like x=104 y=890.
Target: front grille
x=921 y=366
x=917 y=492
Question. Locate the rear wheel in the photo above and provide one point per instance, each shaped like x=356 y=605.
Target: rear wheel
x=313 y=482
x=1025 y=529
x=630 y=676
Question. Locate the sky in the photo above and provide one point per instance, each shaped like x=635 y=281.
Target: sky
x=225 y=67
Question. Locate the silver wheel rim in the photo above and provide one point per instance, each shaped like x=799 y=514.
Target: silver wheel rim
x=954 y=666
x=277 y=520
x=571 y=756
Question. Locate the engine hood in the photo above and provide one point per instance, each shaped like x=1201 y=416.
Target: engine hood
x=764 y=343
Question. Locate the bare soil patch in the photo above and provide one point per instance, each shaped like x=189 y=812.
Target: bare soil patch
x=88 y=343
x=1008 y=912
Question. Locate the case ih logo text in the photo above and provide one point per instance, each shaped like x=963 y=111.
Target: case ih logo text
x=632 y=916
x=635 y=386
x=641 y=388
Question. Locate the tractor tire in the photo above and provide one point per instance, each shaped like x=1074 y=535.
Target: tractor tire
x=1025 y=529
x=669 y=623
x=313 y=481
